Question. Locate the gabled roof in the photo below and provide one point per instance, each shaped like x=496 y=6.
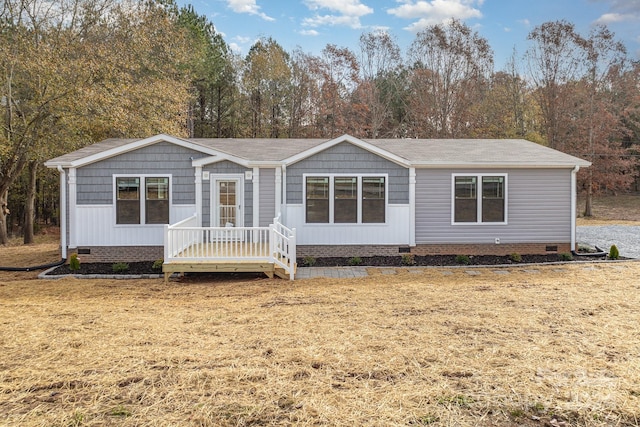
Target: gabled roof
x=486 y=153
x=114 y=147
x=419 y=153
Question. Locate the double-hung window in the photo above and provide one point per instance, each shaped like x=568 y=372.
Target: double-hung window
x=345 y=199
x=142 y=199
x=479 y=198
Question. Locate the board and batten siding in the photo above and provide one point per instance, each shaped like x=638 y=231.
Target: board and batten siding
x=267 y=196
x=539 y=208
x=95 y=181
x=226 y=167
x=345 y=158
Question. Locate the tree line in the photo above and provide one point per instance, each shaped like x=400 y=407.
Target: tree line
x=78 y=71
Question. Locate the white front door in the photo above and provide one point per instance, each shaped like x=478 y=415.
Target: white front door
x=226 y=206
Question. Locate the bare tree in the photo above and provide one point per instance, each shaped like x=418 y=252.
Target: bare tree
x=379 y=60
x=450 y=64
x=553 y=60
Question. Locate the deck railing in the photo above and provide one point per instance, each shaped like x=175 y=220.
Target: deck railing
x=185 y=241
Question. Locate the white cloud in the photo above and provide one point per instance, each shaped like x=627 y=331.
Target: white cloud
x=344 y=7
x=620 y=11
x=431 y=12
x=312 y=33
x=332 y=20
x=610 y=18
x=248 y=6
x=525 y=22
x=343 y=13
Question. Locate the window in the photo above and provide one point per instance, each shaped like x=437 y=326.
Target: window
x=493 y=199
x=157 y=201
x=345 y=199
x=131 y=208
x=489 y=208
x=466 y=199
x=345 y=204
x=373 y=199
x=318 y=199
x=128 y=201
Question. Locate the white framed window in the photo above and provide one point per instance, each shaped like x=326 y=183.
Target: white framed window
x=142 y=199
x=345 y=198
x=479 y=198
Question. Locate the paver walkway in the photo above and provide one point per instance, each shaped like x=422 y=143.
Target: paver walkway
x=361 y=271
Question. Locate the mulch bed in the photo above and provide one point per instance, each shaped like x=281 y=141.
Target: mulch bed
x=429 y=261
x=145 y=268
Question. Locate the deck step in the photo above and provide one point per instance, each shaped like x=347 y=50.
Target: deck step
x=217 y=267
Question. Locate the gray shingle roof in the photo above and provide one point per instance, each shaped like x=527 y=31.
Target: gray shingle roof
x=416 y=152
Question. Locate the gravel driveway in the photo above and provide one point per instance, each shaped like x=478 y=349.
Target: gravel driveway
x=625 y=237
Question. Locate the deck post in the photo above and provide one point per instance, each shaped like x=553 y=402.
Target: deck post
x=272 y=242
x=166 y=243
x=292 y=254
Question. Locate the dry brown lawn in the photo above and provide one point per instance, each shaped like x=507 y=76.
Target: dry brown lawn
x=559 y=345
x=537 y=346
x=609 y=209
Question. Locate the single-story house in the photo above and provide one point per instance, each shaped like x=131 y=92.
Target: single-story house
x=120 y=198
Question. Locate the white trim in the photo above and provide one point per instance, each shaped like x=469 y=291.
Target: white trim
x=359 y=177
x=574 y=202
x=220 y=157
x=213 y=192
x=352 y=140
x=412 y=206
x=63 y=212
x=467 y=165
x=198 y=184
x=256 y=196
x=140 y=144
x=278 y=184
x=479 y=177
x=284 y=185
x=143 y=197
x=73 y=198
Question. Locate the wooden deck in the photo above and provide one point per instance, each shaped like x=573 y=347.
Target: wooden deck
x=227 y=257
x=189 y=247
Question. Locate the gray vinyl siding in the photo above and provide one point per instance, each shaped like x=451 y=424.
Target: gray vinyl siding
x=346 y=158
x=267 y=196
x=95 y=181
x=226 y=168
x=539 y=208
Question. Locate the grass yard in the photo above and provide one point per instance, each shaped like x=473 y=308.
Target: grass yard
x=608 y=209
x=553 y=345
x=438 y=348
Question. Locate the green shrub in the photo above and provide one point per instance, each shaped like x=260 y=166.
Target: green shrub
x=515 y=257
x=74 y=262
x=157 y=264
x=120 y=267
x=408 y=259
x=463 y=259
x=356 y=260
x=308 y=261
x=613 y=252
x=566 y=256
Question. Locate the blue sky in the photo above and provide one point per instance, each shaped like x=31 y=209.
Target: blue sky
x=312 y=24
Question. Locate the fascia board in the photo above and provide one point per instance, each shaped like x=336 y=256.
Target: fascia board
x=500 y=165
x=352 y=140
x=137 y=145
x=219 y=157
